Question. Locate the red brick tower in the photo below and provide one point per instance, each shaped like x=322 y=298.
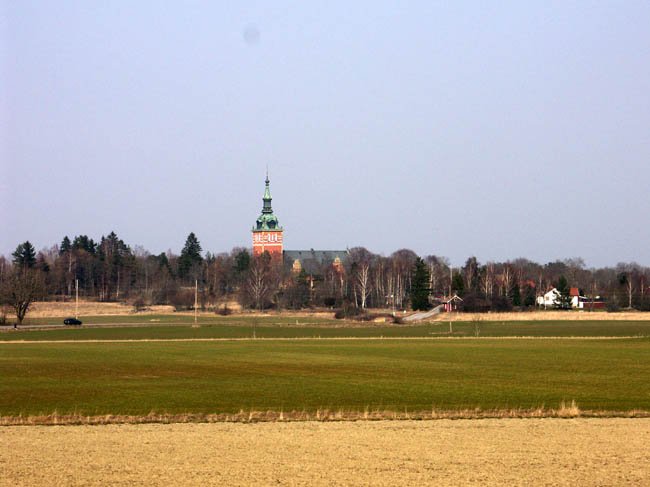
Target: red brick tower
x=267 y=232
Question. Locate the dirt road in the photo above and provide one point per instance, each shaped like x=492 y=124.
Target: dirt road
x=466 y=452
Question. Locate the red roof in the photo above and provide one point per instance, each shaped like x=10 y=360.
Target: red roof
x=574 y=291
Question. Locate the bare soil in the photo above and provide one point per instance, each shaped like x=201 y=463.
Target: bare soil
x=538 y=452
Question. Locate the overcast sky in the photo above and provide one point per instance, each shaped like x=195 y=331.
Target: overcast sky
x=451 y=128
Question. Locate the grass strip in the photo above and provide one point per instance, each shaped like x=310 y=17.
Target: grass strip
x=564 y=410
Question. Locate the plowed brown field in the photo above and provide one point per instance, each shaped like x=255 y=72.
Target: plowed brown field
x=466 y=452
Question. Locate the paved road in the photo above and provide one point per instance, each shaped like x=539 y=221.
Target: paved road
x=61 y=325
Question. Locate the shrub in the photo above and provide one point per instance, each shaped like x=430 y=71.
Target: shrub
x=182 y=300
x=611 y=305
x=473 y=303
x=366 y=317
x=501 y=303
x=138 y=304
x=225 y=311
x=350 y=312
x=644 y=305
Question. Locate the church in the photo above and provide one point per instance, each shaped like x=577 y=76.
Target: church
x=268 y=237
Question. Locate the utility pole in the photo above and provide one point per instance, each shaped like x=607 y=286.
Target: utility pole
x=451 y=279
x=196 y=299
x=76 y=300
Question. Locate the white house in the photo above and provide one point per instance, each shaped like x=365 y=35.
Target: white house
x=553 y=295
x=549 y=298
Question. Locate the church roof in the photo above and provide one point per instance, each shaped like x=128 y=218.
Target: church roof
x=267 y=220
x=312 y=260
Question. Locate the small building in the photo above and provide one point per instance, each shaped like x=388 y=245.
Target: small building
x=575 y=297
x=452 y=303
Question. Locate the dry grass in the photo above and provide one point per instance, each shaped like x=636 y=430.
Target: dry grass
x=565 y=410
x=51 y=309
x=562 y=452
x=47 y=309
x=546 y=316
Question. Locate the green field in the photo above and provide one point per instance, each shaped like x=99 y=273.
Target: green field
x=273 y=328
x=227 y=376
x=187 y=319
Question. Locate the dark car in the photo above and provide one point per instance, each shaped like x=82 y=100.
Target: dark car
x=71 y=321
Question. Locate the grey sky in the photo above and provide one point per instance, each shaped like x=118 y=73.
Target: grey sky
x=451 y=128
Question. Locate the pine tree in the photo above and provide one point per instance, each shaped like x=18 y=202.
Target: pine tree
x=190 y=255
x=82 y=242
x=242 y=261
x=529 y=296
x=515 y=294
x=24 y=255
x=65 y=246
x=420 y=290
x=163 y=261
x=563 y=300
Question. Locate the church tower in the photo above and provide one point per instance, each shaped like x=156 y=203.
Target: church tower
x=267 y=232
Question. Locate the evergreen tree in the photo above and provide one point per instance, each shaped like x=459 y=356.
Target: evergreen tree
x=41 y=263
x=529 y=296
x=298 y=293
x=420 y=290
x=515 y=294
x=65 y=246
x=116 y=264
x=24 y=255
x=190 y=255
x=242 y=261
x=563 y=300
x=163 y=261
x=82 y=242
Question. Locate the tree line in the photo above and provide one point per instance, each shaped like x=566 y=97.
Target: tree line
x=111 y=270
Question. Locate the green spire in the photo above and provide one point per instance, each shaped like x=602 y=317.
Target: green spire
x=267 y=220
x=266 y=208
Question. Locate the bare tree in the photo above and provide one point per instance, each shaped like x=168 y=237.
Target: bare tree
x=628 y=274
x=438 y=271
x=403 y=261
x=487 y=279
x=470 y=273
x=362 y=282
x=507 y=277
x=20 y=290
x=257 y=281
